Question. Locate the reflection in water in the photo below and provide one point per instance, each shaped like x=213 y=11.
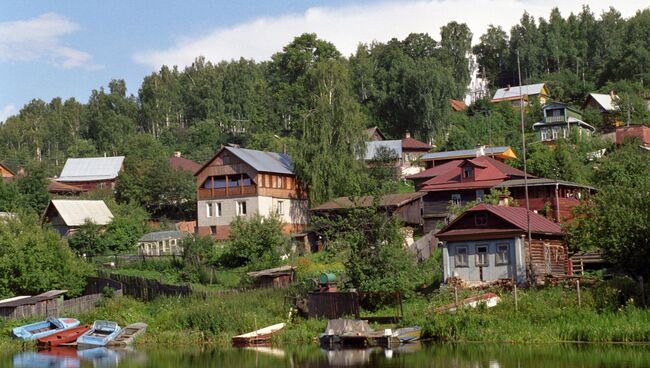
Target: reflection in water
x=311 y=356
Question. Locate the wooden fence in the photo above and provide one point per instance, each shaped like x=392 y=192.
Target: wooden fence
x=146 y=289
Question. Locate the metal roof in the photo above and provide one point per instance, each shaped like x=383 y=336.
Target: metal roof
x=75 y=212
x=278 y=271
x=273 y=162
x=605 y=101
x=474 y=152
x=162 y=235
x=18 y=301
x=514 y=92
x=91 y=169
x=373 y=147
x=536 y=182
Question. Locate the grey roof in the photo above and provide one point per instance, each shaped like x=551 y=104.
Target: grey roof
x=273 y=162
x=373 y=147
x=474 y=152
x=571 y=119
x=278 y=271
x=76 y=212
x=605 y=101
x=162 y=235
x=91 y=169
x=511 y=92
x=537 y=182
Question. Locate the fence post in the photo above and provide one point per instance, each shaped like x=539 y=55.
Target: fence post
x=516 y=300
x=578 y=288
x=456 y=295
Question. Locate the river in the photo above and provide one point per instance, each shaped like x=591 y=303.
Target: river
x=416 y=355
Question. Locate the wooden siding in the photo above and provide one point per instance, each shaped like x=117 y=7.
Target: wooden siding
x=548 y=257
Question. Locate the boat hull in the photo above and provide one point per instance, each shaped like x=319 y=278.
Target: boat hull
x=128 y=334
x=261 y=337
x=44 y=328
x=63 y=337
x=100 y=334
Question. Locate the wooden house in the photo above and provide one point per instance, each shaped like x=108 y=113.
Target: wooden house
x=407 y=206
x=242 y=182
x=374 y=134
x=177 y=162
x=66 y=216
x=162 y=243
x=408 y=151
x=516 y=94
x=489 y=243
x=560 y=121
x=606 y=104
x=91 y=173
x=47 y=304
x=551 y=198
x=458 y=182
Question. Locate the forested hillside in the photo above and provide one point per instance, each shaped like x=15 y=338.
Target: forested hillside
x=314 y=102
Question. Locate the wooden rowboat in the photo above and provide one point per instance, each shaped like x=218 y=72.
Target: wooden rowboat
x=63 y=337
x=100 y=334
x=128 y=334
x=45 y=328
x=258 y=337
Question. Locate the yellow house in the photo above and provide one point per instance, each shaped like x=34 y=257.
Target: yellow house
x=515 y=94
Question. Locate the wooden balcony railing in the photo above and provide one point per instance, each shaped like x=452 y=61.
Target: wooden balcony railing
x=226 y=192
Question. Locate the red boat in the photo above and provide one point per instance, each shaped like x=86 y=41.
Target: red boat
x=63 y=337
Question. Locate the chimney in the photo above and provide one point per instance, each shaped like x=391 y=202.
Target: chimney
x=612 y=94
x=508 y=88
x=21 y=172
x=503 y=200
x=480 y=151
x=177 y=154
x=407 y=135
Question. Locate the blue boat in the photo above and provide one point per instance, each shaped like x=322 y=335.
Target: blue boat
x=100 y=334
x=48 y=327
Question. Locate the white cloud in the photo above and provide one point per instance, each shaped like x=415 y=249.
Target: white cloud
x=40 y=38
x=7 y=111
x=347 y=26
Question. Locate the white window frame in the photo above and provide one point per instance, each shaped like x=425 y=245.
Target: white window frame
x=482 y=258
x=209 y=209
x=461 y=259
x=217 y=209
x=240 y=207
x=502 y=255
x=544 y=134
x=480 y=194
x=555 y=133
x=279 y=207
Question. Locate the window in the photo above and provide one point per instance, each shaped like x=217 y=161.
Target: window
x=545 y=134
x=279 y=181
x=213 y=230
x=217 y=209
x=226 y=160
x=461 y=257
x=241 y=208
x=209 y=211
x=455 y=199
x=555 y=132
x=480 y=193
x=480 y=219
x=280 y=207
x=468 y=172
x=503 y=254
x=482 y=259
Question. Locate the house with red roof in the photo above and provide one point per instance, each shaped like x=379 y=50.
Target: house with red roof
x=177 y=162
x=489 y=243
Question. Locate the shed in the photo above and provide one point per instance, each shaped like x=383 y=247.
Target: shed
x=279 y=277
x=46 y=304
x=67 y=215
x=488 y=243
x=162 y=243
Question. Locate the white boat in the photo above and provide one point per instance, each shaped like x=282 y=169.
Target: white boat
x=257 y=337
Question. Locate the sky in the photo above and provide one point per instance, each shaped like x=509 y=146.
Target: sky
x=68 y=48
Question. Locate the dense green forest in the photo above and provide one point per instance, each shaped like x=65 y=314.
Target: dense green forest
x=312 y=101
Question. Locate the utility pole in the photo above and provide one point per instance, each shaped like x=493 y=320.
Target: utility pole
x=523 y=150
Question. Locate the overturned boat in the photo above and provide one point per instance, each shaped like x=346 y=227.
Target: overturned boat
x=257 y=337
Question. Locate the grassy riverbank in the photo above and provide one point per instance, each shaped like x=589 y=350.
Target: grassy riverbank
x=543 y=316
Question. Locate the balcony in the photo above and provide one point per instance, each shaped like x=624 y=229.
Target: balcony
x=226 y=192
x=555 y=119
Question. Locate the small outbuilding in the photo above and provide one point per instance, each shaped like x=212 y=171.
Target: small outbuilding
x=162 y=243
x=488 y=243
x=66 y=216
x=279 y=277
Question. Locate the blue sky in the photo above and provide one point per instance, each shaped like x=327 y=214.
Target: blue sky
x=68 y=48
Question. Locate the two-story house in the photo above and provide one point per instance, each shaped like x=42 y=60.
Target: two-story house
x=516 y=94
x=560 y=121
x=407 y=150
x=243 y=182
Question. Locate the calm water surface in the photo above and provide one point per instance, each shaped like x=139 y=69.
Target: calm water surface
x=417 y=355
